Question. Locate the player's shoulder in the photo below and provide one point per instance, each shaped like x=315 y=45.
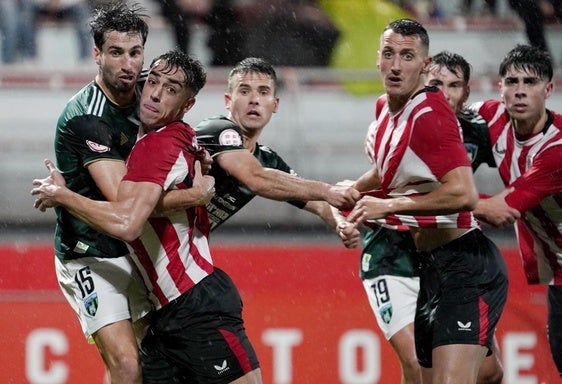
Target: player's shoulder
x=216 y=124
x=267 y=150
x=470 y=116
x=85 y=104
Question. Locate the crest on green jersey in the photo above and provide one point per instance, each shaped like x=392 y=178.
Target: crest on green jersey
x=386 y=313
x=91 y=304
x=365 y=262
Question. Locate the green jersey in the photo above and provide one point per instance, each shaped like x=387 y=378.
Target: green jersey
x=90 y=128
x=219 y=134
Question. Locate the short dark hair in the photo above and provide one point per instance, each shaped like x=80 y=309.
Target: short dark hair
x=253 y=65
x=120 y=17
x=195 y=75
x=530 y=59
x=409 y=27
x=453 y=62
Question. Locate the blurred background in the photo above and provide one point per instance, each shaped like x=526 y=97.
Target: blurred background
x=305 y=307
x=325 y=53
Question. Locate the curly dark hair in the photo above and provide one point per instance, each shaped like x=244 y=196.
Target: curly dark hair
x=195 y=75
x=120 y=17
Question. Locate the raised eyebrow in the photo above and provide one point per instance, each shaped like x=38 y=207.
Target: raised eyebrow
x=168 y=79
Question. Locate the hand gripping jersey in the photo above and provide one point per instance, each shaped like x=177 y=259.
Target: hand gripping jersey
x=218 y=135
x=413 y=149
x=532 y=167
x=173 y=251
x=90 y=128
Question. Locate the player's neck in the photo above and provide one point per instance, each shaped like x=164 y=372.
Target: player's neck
x=525 y=129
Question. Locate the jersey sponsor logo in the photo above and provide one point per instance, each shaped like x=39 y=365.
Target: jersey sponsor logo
x=99 y=148
x=386 y=313
x=223 y=368
x=230 y=137
x=463 y=326
x=91 y=304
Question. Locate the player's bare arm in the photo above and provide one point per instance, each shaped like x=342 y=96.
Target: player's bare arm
x=277 y=185
x=368 y=181
x=334 y=220
x=123 y=219
x=456 y=193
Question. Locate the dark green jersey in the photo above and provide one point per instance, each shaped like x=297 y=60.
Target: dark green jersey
x=391 y=252
x=218 y=134
x=388 y=252
x=90 y=128
x=476 y=139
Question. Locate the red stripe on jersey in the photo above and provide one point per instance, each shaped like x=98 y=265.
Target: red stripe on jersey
x=144 y=260
x=484 y=321
x=198 y=219
x=238 y=350
x=171 y=244
x=527 y=253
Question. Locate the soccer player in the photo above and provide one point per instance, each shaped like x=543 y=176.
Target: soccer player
x=94 y=134
x=463 y=279
x=242 y=167
x=197 y=332
x=526 y=140
x=389 y=260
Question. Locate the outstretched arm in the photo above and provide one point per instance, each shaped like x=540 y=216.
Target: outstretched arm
x=279 y=185
x=348 y=233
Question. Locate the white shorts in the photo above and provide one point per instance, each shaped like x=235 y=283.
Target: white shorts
x=102 y=291
x=393 y=300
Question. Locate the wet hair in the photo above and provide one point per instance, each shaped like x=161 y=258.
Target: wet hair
x=252 y=65
x=195 y=75
x=453 y=62
x=529 y=59
x=409 y=27
x=120 y=17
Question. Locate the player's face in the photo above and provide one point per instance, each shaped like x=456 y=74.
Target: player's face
x=165 y=98
x=120 y=62
x=252 y=100
x=524 y=94
x=454 y=87
x=402 y=61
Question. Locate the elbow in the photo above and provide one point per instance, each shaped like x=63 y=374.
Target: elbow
x=469 y=200
x=129 y=231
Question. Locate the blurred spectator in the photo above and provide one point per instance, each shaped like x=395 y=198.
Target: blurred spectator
x=289 y=32
x=18 y=42
x=284 y=32
x=490 y=7
x=421 y=9
x=226 y=39
x=75 y=11
x=531 y=13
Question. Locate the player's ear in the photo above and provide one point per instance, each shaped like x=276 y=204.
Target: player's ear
x=227 y=100
x=189 y=104
x=97 y=55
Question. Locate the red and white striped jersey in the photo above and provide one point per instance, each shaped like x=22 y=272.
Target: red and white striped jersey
x=533 y=167
x=412 y=149
x=172 y=252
